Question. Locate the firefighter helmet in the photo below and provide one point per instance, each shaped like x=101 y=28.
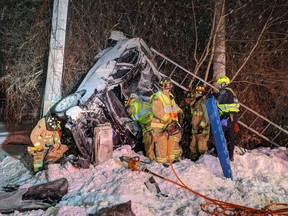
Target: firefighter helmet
x=165 y=83
x=189 y=95
x=200 y=89
x=52 y=122
x=130 y=100
x=223 y=79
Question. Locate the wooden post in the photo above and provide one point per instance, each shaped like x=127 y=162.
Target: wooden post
x=56 y=55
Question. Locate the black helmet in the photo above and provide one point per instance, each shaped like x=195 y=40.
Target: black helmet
x=189 y=95
x=165 y=83
x=52 y=122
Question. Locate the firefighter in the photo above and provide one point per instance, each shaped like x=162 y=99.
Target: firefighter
x=185 y=121
x=165 y=126
x=189 y=99
x=141 y=111
x=228 y=105
x=46 y=139
x=200 y=125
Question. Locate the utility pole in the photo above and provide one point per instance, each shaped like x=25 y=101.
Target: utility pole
x=53 y=92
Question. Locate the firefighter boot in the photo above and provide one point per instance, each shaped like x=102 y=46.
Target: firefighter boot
x=38 y=160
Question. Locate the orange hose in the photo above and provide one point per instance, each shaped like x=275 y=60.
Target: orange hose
x=225 y=208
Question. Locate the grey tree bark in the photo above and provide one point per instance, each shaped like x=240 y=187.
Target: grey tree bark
x=219 y=46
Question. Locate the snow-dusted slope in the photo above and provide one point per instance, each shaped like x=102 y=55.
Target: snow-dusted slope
x=260 y=178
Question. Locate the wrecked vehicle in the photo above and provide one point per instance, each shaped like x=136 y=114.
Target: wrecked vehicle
x=98 y=103
x=41 y=196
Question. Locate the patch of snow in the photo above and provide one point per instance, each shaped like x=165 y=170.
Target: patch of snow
x=260 y=178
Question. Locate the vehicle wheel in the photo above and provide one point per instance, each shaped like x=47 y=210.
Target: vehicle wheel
x=66 y=103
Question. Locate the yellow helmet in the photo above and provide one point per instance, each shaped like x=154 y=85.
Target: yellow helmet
x=130 y=100
x=223 y=79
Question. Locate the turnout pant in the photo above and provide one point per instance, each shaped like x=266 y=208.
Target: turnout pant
x=199 y=143
x=230 y=139
x=165 y=145
x=149 y=145
x=229 y=132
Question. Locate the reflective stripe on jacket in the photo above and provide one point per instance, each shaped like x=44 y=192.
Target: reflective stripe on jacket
x=200 y=116
x=143 y=112
x=166 y=113
x=231 y=104
x=205 y=131
x=40 y=136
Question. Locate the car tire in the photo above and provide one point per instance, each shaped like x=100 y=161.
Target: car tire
x=66 y=103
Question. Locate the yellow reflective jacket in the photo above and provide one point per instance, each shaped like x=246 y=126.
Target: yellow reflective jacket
x=142 y=114
x=200 y=116
x=40 y=136
x=164 y=108
x=227 y=101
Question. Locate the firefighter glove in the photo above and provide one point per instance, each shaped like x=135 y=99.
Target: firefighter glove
x=224 y=122
x=173 y=128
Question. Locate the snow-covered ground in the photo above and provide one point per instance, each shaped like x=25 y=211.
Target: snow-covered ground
x=260 y=177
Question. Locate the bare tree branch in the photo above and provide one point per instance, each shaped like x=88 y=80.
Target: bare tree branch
x=254 y=47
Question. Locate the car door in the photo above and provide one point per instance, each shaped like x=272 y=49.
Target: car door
x=125 y=130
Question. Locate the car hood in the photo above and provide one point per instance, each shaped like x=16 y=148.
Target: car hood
x=97 y=76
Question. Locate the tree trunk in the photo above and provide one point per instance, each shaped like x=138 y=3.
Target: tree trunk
x=219 y=60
